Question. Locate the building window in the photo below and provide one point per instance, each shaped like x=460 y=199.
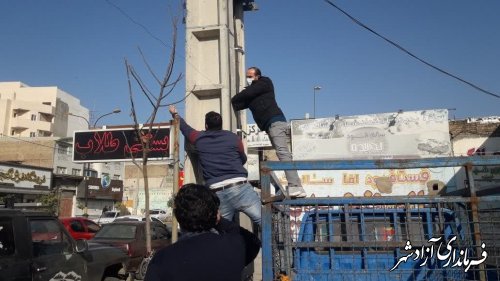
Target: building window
x=32 y=134
x=63 y=149
x=61 y=170
x=44 y=133
x=116 y=177
x=33 y=117
x=91 y=173
x=45 y=117
x=76 y=172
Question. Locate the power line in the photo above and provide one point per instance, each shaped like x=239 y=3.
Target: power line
x=157 y=39
x=409 y=53
x=138 y=24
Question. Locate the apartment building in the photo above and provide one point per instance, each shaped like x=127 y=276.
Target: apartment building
x=39 y=111
x=36 y=130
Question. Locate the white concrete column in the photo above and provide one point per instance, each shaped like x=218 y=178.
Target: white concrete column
x=214 y=65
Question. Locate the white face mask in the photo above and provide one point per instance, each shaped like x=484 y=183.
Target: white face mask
x=249 y=81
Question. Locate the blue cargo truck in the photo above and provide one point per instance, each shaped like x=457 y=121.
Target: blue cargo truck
x=381 y=238
x=366 y=243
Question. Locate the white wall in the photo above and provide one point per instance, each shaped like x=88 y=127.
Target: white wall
x=484 y=177
x=472 y=144
x=32 y=99
x=111 y=168
x=74 y=107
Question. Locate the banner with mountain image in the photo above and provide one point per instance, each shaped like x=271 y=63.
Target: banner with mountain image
x=413 y=134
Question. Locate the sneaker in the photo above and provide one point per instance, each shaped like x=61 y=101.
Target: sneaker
x=296 y=192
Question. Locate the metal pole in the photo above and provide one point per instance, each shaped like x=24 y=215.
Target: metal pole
x=315 y=88
x=112 y=112
x=267 y=231
x=314 y=102
x=474 y=202
x=175 y=126
x=86 y=171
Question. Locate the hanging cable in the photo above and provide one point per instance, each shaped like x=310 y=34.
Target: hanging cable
x=157 y=39
x=409 y=53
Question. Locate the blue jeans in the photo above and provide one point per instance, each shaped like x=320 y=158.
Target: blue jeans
x=240 y=198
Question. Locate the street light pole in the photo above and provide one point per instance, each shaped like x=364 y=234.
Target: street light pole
x=112 y=112
x=315 y=88
x=86 y=166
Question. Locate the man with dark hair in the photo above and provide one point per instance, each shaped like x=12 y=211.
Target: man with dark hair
x=222 y=157
x=196 y=210
x=259 y=97
x=208 y=249
x=213 y=120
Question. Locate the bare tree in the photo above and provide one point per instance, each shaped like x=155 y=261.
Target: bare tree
x=145 y=133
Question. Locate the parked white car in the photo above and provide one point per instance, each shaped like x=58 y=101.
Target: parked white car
x=136 y=218
x=159 y=214
x=108 y=217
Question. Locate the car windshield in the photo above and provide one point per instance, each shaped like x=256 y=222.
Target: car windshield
x=118 y=231
x=126 y=219
x=93 y=227
x=109 y=214
x=154 y=212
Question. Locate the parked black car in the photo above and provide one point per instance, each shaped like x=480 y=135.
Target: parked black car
x=36 y=246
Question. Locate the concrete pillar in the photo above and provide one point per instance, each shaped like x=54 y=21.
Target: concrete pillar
x=215 y=70
x=215 y=66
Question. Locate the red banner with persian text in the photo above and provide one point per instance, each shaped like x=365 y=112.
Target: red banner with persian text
x=120 y=145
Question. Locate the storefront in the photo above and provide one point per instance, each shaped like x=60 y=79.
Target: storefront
x=97 y=193
x=23 y=183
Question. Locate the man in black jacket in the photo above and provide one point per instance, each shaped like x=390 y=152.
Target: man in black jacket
x=259 y=97
x=208 y=249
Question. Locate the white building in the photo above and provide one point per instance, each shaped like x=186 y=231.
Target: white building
x=160 y=178
x=36 y=129
x=39 y=111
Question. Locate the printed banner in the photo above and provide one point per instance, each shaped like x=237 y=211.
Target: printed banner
x=25 y=177
x=253 y=165
x=375 y=183
x=119 y=145
x=158 y=199
x=102 y=188
x=414 y=134
x=256 y=138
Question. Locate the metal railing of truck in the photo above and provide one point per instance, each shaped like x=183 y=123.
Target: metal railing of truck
x=357 y=238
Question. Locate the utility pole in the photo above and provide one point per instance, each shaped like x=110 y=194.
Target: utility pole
x=215 y=70
x=215 y=66
x=175 y=127
x=315 y=88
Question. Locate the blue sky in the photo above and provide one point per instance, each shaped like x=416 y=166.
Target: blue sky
x=80 y=46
